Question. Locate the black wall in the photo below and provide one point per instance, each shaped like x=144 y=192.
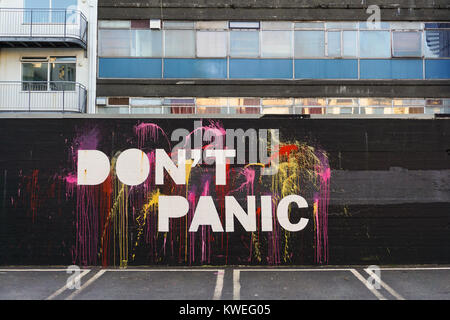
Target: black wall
x=389 y=194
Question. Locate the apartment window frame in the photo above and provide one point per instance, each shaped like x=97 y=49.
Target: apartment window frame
x=49 y=61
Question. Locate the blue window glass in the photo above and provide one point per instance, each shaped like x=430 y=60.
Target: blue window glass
x=131 y=68
x=375 y=44
x=437 y=69
x=195 y=68
x=391 y=69
x=244 y=43
x=261 y=69
x=437 y=43
x=326 y=69
x=309 y=44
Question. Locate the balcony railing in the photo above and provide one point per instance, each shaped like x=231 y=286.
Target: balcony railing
x=22 y=27
x=42 y=96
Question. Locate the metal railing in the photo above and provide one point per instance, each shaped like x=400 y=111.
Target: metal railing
x=43 y=23
x=42 y=96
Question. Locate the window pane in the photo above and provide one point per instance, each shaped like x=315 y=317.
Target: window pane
x=62 y=72
x=276 y=44
x=114 y=43
x=350 y=40
x=114 y=24
x=178 y=25
x=31 y=4
x=342 y=25
x=173 y=41
x=309 y=25
x=437 y=43
x=406 y=44
x=64 y=4
x=270 y=25
x=244 y=25
x=309 y=44
x=211 y=44
x=35 y=72
x=375 y=44
x=244 y=43
x=211 y=25
x=146 y=43
x=334 y=44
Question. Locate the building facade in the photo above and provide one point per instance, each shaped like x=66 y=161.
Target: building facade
x=287 y=57
x=47 y=52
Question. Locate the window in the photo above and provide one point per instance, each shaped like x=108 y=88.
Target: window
x=309 y=44
x=244 y=43
x=54 y=73
x=334 y=43
x=145 y=106
x=146 y=43
x=276 y=44
x=437 y=40
x=173 y=41
x=61 y=10
x=179 y=105
x=212 y=105
x=211 y=44
x=406 y=44
x=375 y=44
x=114 y=43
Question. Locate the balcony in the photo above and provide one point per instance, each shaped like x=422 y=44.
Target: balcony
x=42 y=96
x=46 y=28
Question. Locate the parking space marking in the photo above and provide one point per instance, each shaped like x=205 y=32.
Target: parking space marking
x=33 y=270
x=364 y=281
x=163 y=270
x=236 y=285
x=384 y=285
x=219 y=285
x=412 y=268
x=64 y=288
x=84 y=286
x=284 y=270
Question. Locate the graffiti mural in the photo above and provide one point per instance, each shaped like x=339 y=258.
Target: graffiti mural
x=271 y=191
x=134 y=201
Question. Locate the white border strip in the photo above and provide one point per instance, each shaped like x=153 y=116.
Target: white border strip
x=287 y=270
x=33 y=270
x=162 y=270
x=413 y=269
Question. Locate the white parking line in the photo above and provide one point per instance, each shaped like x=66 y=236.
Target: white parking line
x=364 y=281
x=384 y=285
x=219 y=285
x=164 y=270
x=236 y=285
x=84 y=286
x=33 y=270
x=63 y=288
x=287 y=270
x=413 y=269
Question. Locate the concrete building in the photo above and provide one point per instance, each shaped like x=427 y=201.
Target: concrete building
x=265 y=57
x=47 y=55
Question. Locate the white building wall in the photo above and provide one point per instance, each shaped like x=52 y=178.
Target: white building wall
x=10 y=58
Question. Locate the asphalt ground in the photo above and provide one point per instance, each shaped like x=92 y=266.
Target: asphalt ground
x=227 y=283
